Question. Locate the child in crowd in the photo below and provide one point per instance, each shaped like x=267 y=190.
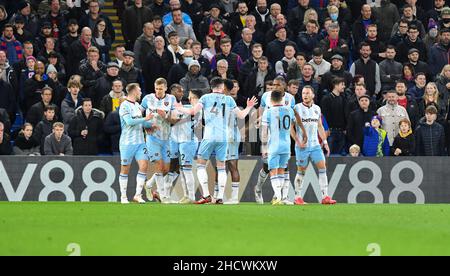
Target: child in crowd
x=376 y=142
x=404 y=143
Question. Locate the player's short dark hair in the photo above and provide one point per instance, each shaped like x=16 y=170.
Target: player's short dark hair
x=175 y=87
x=310 y=88
x=196 y=92
x=228 y=84
x=276 y=96
x=216 y=82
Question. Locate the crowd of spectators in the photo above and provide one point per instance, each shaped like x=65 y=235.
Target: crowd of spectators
x=380 y=68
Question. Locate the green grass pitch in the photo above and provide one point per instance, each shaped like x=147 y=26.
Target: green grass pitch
x=242 y=230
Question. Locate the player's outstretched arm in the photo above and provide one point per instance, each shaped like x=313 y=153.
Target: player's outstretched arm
x=190 y=111
x=136 y=121
x=241 y=114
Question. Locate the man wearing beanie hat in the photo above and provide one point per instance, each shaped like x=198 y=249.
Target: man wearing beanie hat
x=357 y=121
x=432 y=36
x=129 y=72
x=439 y=53
x=194 y=80
x=31 y=21
x=391 y=114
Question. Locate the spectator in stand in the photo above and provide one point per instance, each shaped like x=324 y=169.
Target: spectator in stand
x=79 y=49
x=254 y=85
x=418 y=65
x=86 y=129
x=36 y=112
x=94 y=14
x=430 y=136
x=184 y=31
x=175 y=5
x=20 y=33
x=353 y=99
x=111 y=101
x=129 y=73
x=411 y=41
x=391 y=114
x=57 y=18
x=360 y=26
x=159 y=8
x=376 y=141
x=33 y=86
x=194 y=80
x=103 y=85
x=144 y=45
x=320 y=65
x=408 y=16
x=205 y=66
x=401 y=33
x=178 y=71
x=58 y=143
x=275 y=49
x=7 y=95
x=4 y=118
x=439 y=53
x=154 y=66
x=432 y=36
x=71 y=36
x=404 y=143
x=281 y=22
x=377 y=46
x=44 y=127
x=418 y=89
x=443 y=84
x=431 y=97
x=25 y=143
x=337 y=70
x=387 y=15
x=295 y=71
x=234 y=60
x=221 y=71
x=5 y=144
x=91 y=70
x=210 y=51
x=49 y=47
x=174 y=49
x=262 y=14
x=435 y=13
x=3 y=17
x=31 y=19
x=72 y=101
x=54 y=60
x=250 y=23
x=112 y=128
x=357 y=120
x=334 y=45
x=250 y=64
x=307 y=79
x=118 y=54
x=390 y=70
x=288 y=60
x=408 y=102
x=296 y=16
x=333 y=108
x=12 y=47
x=243 y=47
x=133 y=20
x=367 y=68
x=308 y=40
x=102 y=40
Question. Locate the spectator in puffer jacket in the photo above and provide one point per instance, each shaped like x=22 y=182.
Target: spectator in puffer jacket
x=404 y=142
x=25 y=144
x=376 y=142
x=430 y=136
x=71 y=102
x=44 y=127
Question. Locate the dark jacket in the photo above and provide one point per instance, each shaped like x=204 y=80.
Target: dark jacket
x=23 y=146
x=327 y=78
x=93 y=124
x=296 y=17
x=275 y=51
x=406 y=45
x=339 y=50
x=102 y=88
x=407 y=145
x=5 y=146
x=89 y=77
x=413 y=110
x=33 y=90
x=42 y=130
x=439 y=57
x=430 y=140
x=242 y=50
x=36 y=113
x=113 y=128
x=250 y=88
x=7 y=96
x=4 y=118
x=176 y=73
x=234 y=63
x=355 y=126
x=359 y=31
x=60 y=21
x=153 y=68
x=306 y=42
x=106 y=104
x=76 y=55
x=142 y=47
x=133 y=75
x=133 y=20
x=86 y=21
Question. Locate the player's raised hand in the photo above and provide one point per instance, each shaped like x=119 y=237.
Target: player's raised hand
x=161 y=113
x=149 y=116
x=252 y=102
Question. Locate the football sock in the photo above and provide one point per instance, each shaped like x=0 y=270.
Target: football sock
x=123 y=182
x=151 y=182
x=183 y=183
x=323 y=182
x=299 y=183
x=168 y=184
x=140 y=182
x=159 y=179
x=222 y=181
x=190 y=182
x=285 y=187
x=262 y=177
x=203 y=179
x=235 y=191
x=276 y=186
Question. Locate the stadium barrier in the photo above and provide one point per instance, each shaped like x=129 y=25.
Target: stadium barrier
x=351 y=180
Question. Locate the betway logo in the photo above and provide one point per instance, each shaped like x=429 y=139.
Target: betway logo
x=310 y=120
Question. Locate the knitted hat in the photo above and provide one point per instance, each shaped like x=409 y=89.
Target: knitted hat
x=378 y=118
x=432 y=24
x=445 y=11
x=30 y=58
x=194 y=63
x=51 y=69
